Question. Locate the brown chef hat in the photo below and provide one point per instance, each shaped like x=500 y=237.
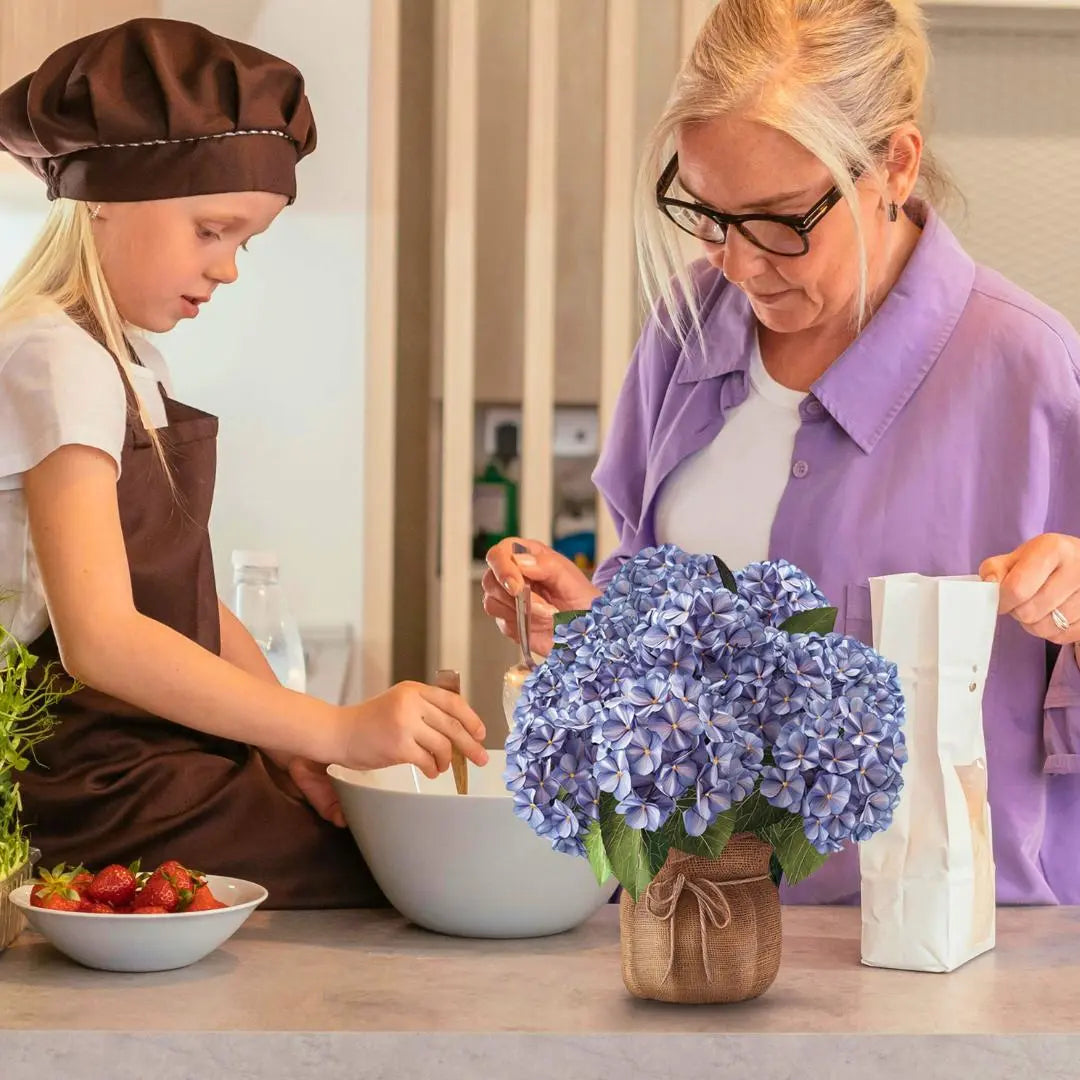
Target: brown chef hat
x=158 y=109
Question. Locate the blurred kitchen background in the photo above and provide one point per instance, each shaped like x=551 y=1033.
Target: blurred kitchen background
x=422 y=353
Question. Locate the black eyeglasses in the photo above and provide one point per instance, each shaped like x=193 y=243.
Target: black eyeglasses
x=779 y=234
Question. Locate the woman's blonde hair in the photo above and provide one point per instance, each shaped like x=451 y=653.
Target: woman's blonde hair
x=837 y=76
x=63 y=269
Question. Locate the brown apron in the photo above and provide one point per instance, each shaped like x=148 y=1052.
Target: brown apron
x=115 y=784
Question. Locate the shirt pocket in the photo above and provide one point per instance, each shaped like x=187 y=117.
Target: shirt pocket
x=1061 y=715
x=857 y=617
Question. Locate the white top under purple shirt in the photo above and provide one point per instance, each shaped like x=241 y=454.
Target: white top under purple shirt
x=749 y=460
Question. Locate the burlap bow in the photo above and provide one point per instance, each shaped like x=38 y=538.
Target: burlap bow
x=662 y=901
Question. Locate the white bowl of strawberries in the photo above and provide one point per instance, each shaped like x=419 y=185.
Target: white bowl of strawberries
x=122 y=919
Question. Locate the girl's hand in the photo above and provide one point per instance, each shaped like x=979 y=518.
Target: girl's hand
x=413 y=724
x=317 y=789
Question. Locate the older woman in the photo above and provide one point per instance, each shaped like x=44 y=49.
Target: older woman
x=840 y=385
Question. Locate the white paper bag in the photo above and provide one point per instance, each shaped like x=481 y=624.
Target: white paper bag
x=928 y=900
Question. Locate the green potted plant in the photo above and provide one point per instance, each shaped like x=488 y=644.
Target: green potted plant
x=26 y=718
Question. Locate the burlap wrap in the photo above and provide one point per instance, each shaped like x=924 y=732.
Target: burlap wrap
x=706 y=930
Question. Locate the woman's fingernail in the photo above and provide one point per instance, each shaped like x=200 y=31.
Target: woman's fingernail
x=510 y=586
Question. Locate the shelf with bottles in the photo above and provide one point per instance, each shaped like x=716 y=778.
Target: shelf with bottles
x=498 y=475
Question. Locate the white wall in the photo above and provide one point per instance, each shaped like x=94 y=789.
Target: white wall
x=1005 y=122
x=279 y=356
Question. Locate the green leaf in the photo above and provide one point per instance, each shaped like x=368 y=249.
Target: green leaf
x=776 y=870
x=797 y=856
x=726 y=576
x=657 y=848
x=820 y=620
x=594 y=849
x=755 y=814
x=711 y=843
x=625 y=849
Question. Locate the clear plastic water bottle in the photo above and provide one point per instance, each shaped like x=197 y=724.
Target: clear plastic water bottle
x=260 y=605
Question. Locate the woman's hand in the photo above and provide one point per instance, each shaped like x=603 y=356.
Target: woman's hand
x=1038 y=579
x=557 y=585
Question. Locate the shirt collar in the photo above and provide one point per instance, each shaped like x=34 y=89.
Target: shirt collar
x=877 y=374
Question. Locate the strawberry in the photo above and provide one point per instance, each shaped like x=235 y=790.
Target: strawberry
x=204 y=900
x=150 y=909
x=115 y=885
x=57 y=901
x=54 y=890
x=81 y=880
x=179 y=875
x=159 y=891
x=94 y=907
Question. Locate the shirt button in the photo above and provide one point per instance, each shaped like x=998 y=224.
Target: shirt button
x=800 y=470
x=814 y=408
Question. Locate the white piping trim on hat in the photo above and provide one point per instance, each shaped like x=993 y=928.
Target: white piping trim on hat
x=192 y=138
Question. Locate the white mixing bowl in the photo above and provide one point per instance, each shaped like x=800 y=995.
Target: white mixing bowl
x=464 y=864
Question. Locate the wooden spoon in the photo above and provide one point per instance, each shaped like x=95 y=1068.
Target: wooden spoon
x=448 y=679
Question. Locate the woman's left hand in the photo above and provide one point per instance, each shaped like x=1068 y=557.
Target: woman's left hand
x=1038 y=579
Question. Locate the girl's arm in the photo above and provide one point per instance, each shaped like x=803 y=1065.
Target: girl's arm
x=108 y=645
x=241 y=650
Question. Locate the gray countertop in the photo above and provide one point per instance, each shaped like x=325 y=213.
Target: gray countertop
x=351 y=994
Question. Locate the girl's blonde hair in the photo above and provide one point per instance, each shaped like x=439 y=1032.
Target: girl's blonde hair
x=63 y=268
x=837 y=76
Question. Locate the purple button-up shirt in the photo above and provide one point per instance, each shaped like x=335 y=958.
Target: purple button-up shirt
x=949 y=431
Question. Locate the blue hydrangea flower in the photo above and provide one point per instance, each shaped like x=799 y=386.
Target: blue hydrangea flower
x=640 y=812
x=782 y=788
x=648 y=694
x=677 y=725
x=778 y=590
x=673 y=694
x=613 y=774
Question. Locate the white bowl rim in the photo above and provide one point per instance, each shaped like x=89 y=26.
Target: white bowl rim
x=20 y=897
x=335 y=773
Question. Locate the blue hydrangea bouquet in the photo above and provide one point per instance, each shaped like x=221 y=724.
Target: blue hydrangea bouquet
x=691 y=704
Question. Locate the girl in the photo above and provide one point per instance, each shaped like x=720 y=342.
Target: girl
x=164 y=148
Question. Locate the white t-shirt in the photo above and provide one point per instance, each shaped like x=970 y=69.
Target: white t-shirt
x=58 y=387
x=723 y=499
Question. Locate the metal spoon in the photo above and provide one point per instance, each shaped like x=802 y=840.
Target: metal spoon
x=523 y=609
